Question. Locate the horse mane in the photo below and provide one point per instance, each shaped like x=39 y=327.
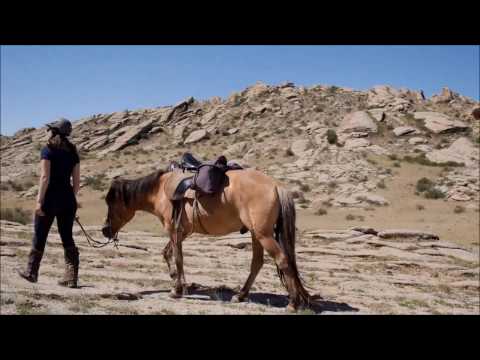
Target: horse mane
x=130 y=191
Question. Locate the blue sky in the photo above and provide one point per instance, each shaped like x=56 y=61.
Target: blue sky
x=42 y=83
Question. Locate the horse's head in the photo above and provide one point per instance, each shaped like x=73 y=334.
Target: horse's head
x=119 y=213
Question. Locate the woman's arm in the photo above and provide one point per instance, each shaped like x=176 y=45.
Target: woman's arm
x=43 y=184
x=76 y=178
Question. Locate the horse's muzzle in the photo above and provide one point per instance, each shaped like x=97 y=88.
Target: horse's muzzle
x=107 y=231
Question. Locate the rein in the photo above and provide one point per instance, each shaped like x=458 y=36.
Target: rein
x=94 y=243
x=98 y=244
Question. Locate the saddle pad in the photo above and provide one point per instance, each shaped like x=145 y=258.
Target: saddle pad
x=174 y=178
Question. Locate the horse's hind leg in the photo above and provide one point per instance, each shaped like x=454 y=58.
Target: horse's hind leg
x=256 y=265
x=274 y=250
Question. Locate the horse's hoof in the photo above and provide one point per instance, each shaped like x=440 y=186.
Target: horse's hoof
x=291 y=309
x=238 y=299
x=174 y=294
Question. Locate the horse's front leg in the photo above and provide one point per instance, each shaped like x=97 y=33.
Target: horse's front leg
x=179 y=288
x=168 y=256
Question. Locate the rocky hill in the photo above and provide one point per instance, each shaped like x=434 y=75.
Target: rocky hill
x=320 y=140
x=386 y=184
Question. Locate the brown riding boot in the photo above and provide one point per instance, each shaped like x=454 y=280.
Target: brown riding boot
x=34 y=259
x=70 y=278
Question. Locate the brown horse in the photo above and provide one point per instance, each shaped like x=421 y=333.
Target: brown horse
x=252 y=200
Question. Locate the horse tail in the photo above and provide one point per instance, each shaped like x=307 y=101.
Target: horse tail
x=285 y=234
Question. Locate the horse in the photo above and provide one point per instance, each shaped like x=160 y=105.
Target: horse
x=251 y=200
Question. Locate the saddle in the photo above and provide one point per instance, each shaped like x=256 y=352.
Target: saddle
x=209 y=178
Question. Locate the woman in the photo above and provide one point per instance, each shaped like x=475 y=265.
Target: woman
x=56 y=198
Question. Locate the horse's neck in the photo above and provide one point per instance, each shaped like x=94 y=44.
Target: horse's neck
x=145 y=203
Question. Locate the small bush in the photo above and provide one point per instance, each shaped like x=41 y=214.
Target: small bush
x=16 y=215
x=332 y=184
x=381 y=184
x=459 y=209
x=289 y=152
x=420 y=207
x=17 y=186
x=304 y=188
x=393 y=157
x=321 y=212
x=350 y=217
x=332 y=136
x=424 y=184
x=96 y=182
x=434 y=194
x=396 y=164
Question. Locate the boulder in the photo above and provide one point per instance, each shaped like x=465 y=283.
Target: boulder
x=178 y=132
x=372 y=199
x=233 y=131
x=460 y=151
x=404 y=130
x=236 y=149
x=300 y=146
x=445 y=96
x=208 y=117
x=377 y=114
x=356 y=143
x=476 y=113
x=404 y=233
x=196 y=135
x=439 y=123
x=378 y=150
x=358 y=121
x=416 y=140
x=257 y=90
x=130 y=134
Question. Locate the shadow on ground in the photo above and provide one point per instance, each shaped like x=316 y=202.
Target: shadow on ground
x=224 y=293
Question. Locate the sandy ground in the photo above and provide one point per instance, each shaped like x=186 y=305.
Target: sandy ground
x=353 y=272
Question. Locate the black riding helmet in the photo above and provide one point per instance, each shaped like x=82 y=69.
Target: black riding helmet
x=61 y=126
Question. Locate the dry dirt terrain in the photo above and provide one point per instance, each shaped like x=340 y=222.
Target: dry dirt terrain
x=354 y=272
x=386 y=186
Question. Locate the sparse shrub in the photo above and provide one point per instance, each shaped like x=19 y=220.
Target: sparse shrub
x=332 y=89
x=350 y=217
x=381 y=184
x=396 y=164
x=17 y=186
x=459 y=209
x=289 y=152
x=16 y=215
x=332 y=184
x=305 y=188
x=332 y=136
x=321 y=212
x=393 y=157
x=434 y=194
x=424 y=184
x=96 y=182
x=420 y=207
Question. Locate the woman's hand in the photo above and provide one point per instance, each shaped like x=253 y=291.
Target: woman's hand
x=38 y=210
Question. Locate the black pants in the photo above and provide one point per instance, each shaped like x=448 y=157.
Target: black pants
x=65 y=216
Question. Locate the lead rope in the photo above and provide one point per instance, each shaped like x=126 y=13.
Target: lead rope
x=94 y=243
x=98 y=244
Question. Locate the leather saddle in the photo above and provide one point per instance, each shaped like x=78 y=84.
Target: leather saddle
x=181 y=184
